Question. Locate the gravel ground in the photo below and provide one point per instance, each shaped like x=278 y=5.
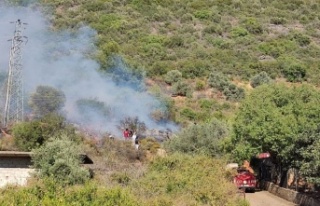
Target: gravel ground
x=264 y=198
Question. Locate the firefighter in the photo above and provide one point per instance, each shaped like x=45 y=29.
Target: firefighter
x=126 y=134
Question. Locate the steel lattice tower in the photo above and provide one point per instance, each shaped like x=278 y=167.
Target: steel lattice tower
x=13 y=111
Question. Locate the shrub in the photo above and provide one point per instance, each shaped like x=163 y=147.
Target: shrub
x=200 y=138
x=259 y=79
x=156 y=50
x=182 y=177
x=200 y=85
x=220 y=43
x=31 y=135
x=121 y=178
x=173 y=76
x=47 y=192
x=158 y=68
x=60 y=159
x=28 y=135
x=196 y=67
x=213 y=29
x=277 y=20
x=277 y=47
x=182 y=88
x=202 y=14
x=188 y=113
x=150 y=144
x=239 y=32
x=110 y=48
x=186 y=18
x=175 y=41
x=253 y=26
x=207 y=104
x=232 y=92
x=301 y=39
x=294 y=73
x=272 y=67
x=218 y=80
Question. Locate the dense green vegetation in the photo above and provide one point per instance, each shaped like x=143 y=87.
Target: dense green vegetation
x=284 y=121
x=32 y=134
x=200 y=139
x=241 y=38
x=59 y=159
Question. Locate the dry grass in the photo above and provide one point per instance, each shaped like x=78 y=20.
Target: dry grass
x=115 y=160
x=7 y=143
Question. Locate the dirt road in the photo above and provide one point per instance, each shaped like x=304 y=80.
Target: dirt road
x=264 y=198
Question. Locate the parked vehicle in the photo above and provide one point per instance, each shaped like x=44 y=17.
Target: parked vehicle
x=245 y=180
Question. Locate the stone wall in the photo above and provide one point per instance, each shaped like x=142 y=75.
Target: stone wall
x=15 y=167
x=290 y=195
x=15 y=170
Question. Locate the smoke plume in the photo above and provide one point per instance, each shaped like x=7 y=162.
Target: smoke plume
x=61 y=60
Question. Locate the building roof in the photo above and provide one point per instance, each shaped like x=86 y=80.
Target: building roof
x=84 y=157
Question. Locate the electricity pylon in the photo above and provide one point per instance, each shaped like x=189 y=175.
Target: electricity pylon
x=13 y=111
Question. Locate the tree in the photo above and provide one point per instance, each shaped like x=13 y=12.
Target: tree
x=31 y=135
x=60 y=159
x=310 y=154
x=46 y=100
x=200 y=138
x=281 y=120
x=132 y=123
x=91 y=108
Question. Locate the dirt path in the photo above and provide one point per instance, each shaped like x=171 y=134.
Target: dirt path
x=264 y=198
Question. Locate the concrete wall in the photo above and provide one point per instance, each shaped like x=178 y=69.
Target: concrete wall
x=290 y=195
x=14 y=170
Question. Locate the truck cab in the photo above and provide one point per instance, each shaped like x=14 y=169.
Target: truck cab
x=245 y=180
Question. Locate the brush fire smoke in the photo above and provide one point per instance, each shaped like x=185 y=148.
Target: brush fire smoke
x=61 y=59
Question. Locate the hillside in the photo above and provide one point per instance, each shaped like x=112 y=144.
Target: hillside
x=238 y=38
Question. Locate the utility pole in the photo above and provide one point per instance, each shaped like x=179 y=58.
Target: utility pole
x=13 y=111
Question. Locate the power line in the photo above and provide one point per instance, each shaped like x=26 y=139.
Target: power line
x=13 y=111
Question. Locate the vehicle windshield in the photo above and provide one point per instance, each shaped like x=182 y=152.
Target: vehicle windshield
x=240 y=171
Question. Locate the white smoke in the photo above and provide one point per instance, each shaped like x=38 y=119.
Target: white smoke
x=60 y=59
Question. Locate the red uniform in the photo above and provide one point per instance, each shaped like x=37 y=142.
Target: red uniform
x=126 y=134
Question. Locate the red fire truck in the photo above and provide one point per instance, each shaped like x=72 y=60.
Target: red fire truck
x=245 y=180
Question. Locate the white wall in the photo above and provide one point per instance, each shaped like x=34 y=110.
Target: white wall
x=14 y=171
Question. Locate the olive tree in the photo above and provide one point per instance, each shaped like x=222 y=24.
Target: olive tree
x=46 y=100
x=200 y=138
